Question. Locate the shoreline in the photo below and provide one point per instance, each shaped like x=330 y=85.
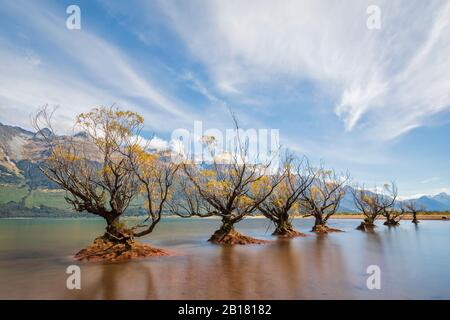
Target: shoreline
x=432 y=216
x=355 y=216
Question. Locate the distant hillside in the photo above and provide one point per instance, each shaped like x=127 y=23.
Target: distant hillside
x=20 y=152
x=25 y=191
x=439 y=202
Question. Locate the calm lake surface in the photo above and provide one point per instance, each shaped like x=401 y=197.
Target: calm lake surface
x=414 y=262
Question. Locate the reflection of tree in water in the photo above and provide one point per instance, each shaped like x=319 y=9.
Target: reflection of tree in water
x=230 y=272
x=326 y=273
x=248 y=272
x=374 y=241
x=373 y=249
x=385 y=249
x=192 y=276
x=285 y=269
x=397 y=246
x=113 y=282
x=288 y=268
x=262 y=272
x=234 y=273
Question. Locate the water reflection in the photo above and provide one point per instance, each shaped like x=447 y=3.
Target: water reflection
x=316 y=267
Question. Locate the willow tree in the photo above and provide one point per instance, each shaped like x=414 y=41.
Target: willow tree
x=104 y=170
x=295 y=176
x=412 y=207
x=393 y=216
x=156 y=174
x=231 y=192
x=187 y=202
x=322 y=197
x=374 y=204
x=231 y=187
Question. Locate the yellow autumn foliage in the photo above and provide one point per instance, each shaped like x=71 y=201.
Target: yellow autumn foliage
x=61 y=154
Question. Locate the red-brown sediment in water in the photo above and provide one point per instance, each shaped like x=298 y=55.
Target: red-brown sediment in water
x=102 y=250
x=324 y=229
x=234 y=237
x=288 y=233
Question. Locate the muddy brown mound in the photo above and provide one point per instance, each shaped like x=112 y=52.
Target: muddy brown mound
x=391 y=223
x=104 y=250
x=288 y=234
x=367 y=227
x=234 y=237
x=324 y=229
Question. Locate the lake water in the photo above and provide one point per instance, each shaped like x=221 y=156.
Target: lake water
x=414 y=262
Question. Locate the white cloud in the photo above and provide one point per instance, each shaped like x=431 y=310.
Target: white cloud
x=385 y=82
x=25 y=86
x=313 y=54
x=198 y=86
x=91 y=72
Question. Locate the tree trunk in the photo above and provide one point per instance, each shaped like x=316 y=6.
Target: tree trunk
x=318 y=222
x=284 y=229
x=320 y=225
x=117 y=244
x=225 y=229
x=116 y=232
x=366 y=226
x=226 y=234
x=391 y=222
x=414 y=220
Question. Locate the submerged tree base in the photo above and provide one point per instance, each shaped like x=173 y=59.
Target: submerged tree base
x=233 y=237
x=104 y=250
x=288 y=233
x=391 y=223
x=366 y=226
x=324 y=229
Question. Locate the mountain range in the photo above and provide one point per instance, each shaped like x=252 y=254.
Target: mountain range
x=19 y=149
x=438 y=202
x=24 y=190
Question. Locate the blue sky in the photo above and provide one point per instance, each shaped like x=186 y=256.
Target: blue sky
x=375 y=102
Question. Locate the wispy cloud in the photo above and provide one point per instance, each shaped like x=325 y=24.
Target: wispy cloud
x=337 y=91
x=429 y=180
x=92 y=72
x=384 y=82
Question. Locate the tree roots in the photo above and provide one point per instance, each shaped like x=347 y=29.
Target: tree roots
x=233 y=237
x=287 y=233
x=105 y=250
x=324 y=229
x=367 y=227
x=391 y=223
